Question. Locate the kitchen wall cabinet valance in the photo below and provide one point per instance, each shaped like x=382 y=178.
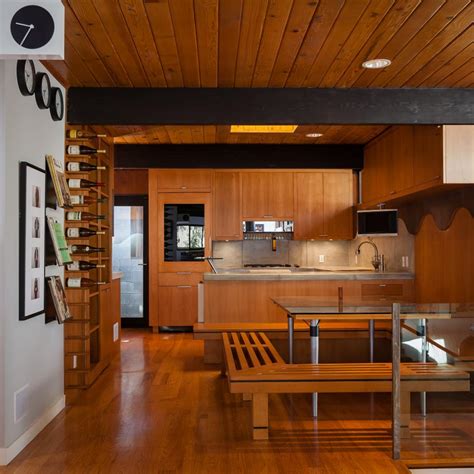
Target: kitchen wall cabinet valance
x=408 y=159
x=267 y=195
x=184 y=180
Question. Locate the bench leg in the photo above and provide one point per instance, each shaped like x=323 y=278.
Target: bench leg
x=246 y=397
x=405 y=414
x=260 y=415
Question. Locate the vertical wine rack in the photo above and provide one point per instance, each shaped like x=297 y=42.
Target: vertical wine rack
x=84 y=355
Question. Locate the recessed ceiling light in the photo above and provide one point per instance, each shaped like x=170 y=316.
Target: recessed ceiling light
x=376 y=63
x=263 y=128
x=314 y=135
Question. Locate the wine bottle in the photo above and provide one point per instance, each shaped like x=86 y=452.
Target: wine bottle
x=78 y=200
x=78 y=134
x=83 y=216
x=83 y=183
x=81 y=166
x=82 y=283
x=76 y=232
x=84 y=249
x=82 y=150
x=82 y=266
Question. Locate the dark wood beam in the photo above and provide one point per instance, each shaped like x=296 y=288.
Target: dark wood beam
x=239 y=156
x=182 y=106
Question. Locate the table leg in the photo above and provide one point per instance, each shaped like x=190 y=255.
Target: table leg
x=314 y=339
x=290 y=339
x=371 y=339
x=424 y=356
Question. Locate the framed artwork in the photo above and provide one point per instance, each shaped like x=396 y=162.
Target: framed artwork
x=32 y=240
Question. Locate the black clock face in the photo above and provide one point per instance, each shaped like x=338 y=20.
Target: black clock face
x=26 y=76
x=43 y=90
x=57 y=104
x=32 y=27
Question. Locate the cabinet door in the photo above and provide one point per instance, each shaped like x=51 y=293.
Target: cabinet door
x=369 y=174
x=280 y=200
x=255 y=188
x=184 y=180
x=428 y=154
x=402 y=141
x=178 y=305
x=227 y=207
x=338 y=205
x=309 y=215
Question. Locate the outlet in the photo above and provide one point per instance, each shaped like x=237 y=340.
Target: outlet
x=322 y=258
x=20 y=403
x=74 y=361
x=405 y=263
x=116 y=331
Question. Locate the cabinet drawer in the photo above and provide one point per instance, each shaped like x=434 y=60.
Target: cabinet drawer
x=179 y=278
x=184 y=180
x=178 y=305
x=382 y=289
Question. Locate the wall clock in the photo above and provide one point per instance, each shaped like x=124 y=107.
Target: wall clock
x=26 y=76
x=56 y=107
x=31 y=29
x=43 y=90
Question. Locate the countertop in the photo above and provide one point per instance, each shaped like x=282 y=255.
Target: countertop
x=304 y=275
x=117 y=275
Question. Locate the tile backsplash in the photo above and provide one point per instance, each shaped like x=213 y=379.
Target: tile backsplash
x=236 y=254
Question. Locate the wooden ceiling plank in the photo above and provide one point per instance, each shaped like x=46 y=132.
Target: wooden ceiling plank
x=368 y=22
x=162 y=134
x=182 y=15
x=449 y=21
x=458 y=74
x=91 y=23
x=61 y=72
x=197 y=134
x=81 y=43
x=386 y=29
x=210 y=134
x=207 y=20
x=273 y=30
x=466 y=81
x=300 y=19
x=230 y=17
x=137 y=22
x=253 y=19
x=348 y=19
x=323 y=21
x=117 y=29
x=75 y=63
x=442 y=60
x=159 y=16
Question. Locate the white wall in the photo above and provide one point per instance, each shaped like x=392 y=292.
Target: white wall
x=32 y=351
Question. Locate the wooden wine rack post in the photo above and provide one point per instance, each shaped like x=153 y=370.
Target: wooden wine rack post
x=86 y=337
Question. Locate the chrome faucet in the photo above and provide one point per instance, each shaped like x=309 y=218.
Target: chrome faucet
x=378 y=261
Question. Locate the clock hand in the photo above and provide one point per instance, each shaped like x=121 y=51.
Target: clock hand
x=23 y=24
x=27 y=33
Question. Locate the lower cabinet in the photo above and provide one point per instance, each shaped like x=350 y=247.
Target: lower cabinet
x=178 y=305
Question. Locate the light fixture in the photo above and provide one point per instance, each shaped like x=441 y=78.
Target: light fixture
x=314 y=135
x=376 y=63
x=263 y=128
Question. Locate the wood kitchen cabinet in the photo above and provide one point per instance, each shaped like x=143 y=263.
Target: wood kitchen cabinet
x=267 y=195
x=178 y=305
x=408 y=159
x=227 y=206
x=184 y=180
x=324 y=202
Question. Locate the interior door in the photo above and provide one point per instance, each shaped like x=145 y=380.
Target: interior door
x=130 y=257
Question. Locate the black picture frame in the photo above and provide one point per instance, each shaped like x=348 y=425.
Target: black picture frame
x=32 y=241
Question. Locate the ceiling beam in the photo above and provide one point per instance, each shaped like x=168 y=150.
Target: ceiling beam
x=239 y=156
x=220 y=106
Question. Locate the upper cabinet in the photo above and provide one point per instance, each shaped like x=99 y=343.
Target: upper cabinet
x=184 y=180
x=407 y=159
x=227 y=206
x=267 y=195
x=324 y=204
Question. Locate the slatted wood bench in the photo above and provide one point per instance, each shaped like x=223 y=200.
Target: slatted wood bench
x=211 y=333
x=254 y=367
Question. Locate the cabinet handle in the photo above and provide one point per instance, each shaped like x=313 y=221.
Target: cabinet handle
x=184 y=187
x=183 y=286
x=382 y=286
x=267 y=215
x=323 y=235
x=393 y=192
x=183 y=273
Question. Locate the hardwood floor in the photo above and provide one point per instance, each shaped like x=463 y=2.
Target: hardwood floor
x=158 y=408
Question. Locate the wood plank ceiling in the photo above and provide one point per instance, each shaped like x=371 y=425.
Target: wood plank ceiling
x=264 y=43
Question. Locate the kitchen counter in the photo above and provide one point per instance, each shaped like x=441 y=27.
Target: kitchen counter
x=291 y=275
x=117 y=275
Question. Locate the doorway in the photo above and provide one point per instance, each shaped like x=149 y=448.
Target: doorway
x=130 y=257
